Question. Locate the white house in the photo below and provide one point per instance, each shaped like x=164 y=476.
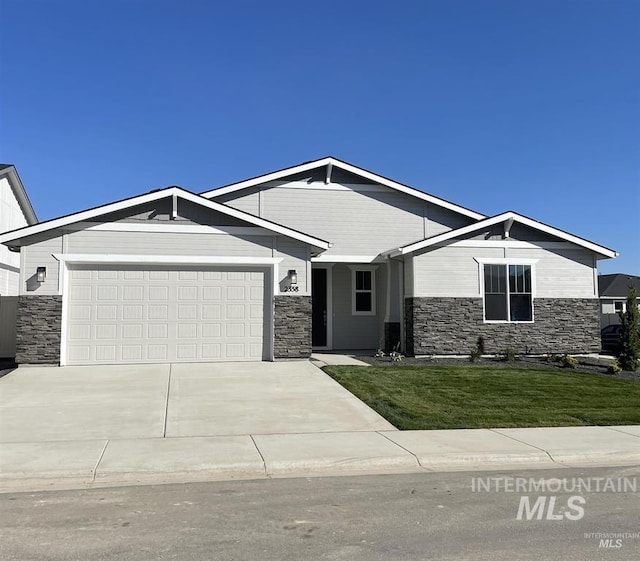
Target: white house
x=323 y=255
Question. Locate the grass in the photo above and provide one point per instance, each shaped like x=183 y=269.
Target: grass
x=470 y=396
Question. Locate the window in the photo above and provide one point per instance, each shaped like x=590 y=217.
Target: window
x=363 y=302
x=619 y=307
x=507 y=293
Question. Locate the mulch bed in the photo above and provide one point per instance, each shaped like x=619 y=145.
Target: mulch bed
x=585 y=364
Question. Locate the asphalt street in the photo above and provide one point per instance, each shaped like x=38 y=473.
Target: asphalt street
x=383 y=517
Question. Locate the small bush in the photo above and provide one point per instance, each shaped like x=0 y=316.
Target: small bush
x=569 y=361
x=474 y=355
x=614 y=368
x=396 y=356
x=508 y=355
x=480 y=345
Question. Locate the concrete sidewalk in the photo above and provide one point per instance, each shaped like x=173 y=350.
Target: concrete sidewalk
x=89 y=463
x=83 y=427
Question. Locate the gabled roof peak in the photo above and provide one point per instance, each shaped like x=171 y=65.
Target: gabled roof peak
x=332 y=161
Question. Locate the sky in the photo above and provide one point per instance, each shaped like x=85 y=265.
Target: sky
x=524 y=105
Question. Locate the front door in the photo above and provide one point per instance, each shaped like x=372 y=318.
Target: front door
x=319 y=307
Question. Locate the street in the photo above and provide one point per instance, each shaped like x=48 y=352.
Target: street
x=463 y=515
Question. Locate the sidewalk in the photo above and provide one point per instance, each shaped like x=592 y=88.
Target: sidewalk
x=93 y=463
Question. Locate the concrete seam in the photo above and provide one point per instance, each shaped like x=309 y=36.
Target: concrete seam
x=400 y=446
x=95 y=468
x=166 y=406
x=621 y=431
x=264 y=464
x=528 y=444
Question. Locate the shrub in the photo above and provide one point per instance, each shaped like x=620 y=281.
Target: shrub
x=629 y=348
x=569 y=361
x=614 y=368
x=477 y=352
x=509 y=354
x=396 y=356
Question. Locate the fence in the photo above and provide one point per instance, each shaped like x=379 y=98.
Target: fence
x=8 y=308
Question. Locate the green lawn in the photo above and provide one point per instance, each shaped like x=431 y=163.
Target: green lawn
x=470 y=396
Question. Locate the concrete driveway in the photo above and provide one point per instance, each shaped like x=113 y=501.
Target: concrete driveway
x=176 y=400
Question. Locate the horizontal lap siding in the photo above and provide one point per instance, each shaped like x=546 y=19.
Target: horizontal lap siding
x=40 y=254
x=561 y=273
x=450 y=271
x=355 y=222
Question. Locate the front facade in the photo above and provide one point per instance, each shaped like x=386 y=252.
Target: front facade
x=323 y=255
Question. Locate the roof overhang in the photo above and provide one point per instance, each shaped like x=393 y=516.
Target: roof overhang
x=331 y=162
x=11 y=173
x=508 y=218
x=14 y=237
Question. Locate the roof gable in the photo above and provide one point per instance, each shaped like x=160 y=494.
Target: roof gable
x=508 y=219
x=174 y=193
x=11 y=173
x=326 y=167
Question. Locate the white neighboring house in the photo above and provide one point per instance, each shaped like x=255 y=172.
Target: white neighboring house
x=15 y=212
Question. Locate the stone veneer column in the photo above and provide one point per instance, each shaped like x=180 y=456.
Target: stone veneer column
x=292 y=327
x=38 y=329
x=453 y=325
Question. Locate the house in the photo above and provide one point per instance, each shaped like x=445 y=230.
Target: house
x=15 y=212
x=322 y=255
x=613 y=291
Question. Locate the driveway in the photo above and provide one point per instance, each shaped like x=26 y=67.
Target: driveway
x=44 y=404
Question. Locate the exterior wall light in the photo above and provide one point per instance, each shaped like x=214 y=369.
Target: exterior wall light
x=41 y=274
x=293 y=276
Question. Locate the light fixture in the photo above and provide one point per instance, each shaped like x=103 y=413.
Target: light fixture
x=293 y=276
x=41 y=274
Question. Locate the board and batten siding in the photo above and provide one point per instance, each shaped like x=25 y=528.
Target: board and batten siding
x=453 y=271
x=356 y=219
x=100 y=242
x=11 y=218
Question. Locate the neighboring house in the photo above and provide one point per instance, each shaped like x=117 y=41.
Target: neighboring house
x=613 y=291
x=15 y=212
x=323 y=254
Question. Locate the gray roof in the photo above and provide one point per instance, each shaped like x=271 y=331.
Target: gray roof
x=617 y=285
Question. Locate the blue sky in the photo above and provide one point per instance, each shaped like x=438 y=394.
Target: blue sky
x=530 y=106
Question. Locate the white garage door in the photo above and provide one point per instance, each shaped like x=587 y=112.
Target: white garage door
x=129 y=314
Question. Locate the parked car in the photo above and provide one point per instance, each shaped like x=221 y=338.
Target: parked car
x=610 y=336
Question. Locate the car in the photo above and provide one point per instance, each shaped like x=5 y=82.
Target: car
x=610 y=336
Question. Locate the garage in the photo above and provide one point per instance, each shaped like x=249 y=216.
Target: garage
x=133 y=314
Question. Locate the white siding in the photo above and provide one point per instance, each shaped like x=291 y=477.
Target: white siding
x=294 y=254
x=454 y=271
x=40 y=254
x=357 y=219
x=11 y=218
x=450 y=271
x=561 y=273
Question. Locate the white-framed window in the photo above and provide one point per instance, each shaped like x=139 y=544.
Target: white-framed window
x=619 y=307
x=508 y=292
x=363 y=283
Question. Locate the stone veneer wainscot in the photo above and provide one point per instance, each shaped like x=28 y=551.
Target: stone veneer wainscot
x=38 y=329
x=292 y=327
x=453 y=325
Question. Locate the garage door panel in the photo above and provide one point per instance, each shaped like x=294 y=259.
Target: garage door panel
x=130 y=314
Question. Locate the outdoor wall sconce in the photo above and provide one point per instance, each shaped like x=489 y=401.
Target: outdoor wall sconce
x=293 y=276
x=41 y=274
